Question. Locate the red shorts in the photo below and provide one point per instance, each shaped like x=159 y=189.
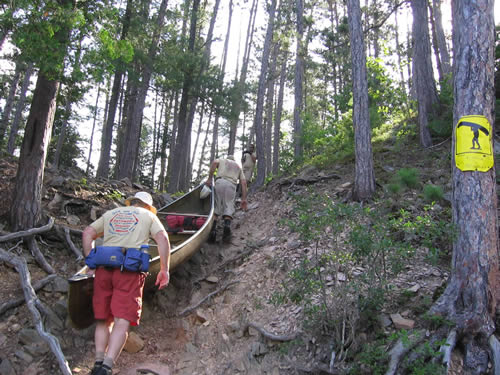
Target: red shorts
x=118 y=294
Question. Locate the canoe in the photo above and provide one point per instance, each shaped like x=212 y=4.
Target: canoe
x=184 y=244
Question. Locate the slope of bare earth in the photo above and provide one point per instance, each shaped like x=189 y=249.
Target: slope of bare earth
x=219 y=315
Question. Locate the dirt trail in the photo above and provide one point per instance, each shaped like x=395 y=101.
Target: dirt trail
x=172 y=343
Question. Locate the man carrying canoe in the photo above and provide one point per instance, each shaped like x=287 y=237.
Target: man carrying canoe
x=226 y=181
x=120 y=268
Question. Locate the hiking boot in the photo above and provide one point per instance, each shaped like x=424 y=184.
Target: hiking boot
x=96 y=368
x=103 y=370
x=213 y=233
x=227 y=232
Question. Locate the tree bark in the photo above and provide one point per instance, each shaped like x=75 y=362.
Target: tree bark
x=26 y=210
x=472 y=294
x=364 y=179
x=423 y=77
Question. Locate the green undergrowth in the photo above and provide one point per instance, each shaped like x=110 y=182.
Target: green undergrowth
x=354 y=252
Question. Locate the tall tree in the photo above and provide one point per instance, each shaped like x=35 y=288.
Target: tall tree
x=299 y=78
x=20 y=106
x=240 y=84
x=130 y=150
x=259 y=108
x=423 y=77
x=440 y=40
x=472 y=294
x=26 y=209
x=180 y=157
x=9 y=103
x=279 y=111
x=107 y=131
x=364 y=179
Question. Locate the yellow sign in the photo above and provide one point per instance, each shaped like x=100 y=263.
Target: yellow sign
x=473 y=151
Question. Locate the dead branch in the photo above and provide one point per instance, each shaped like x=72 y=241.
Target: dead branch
x=19 y=301
x=32 y=301
x=29 y=232
x=271 y=336
x=189 y=309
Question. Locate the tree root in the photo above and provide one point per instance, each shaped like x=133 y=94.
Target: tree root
x=318 y=368
x=399 y=350
x=189 y=309
x=65 y=233
x=269 y=335
x=446 y=349
x=35 y=305
x=19 y=301
x=29 y=239
x=40 y=259
x=495 y=351
x=29 y=232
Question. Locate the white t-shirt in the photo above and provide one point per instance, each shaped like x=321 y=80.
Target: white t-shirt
x=127 y=226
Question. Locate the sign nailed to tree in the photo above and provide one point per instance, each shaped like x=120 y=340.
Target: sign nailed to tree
x=473 y=151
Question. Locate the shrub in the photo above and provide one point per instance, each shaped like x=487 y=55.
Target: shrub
x=433 y=193
x=409 y=177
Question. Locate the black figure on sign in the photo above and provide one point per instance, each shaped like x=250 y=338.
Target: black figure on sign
x=475 y=128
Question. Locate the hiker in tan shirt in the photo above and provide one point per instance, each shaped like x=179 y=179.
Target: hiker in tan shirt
x=226 y=181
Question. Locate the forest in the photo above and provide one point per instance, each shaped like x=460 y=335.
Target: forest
x=154 y=91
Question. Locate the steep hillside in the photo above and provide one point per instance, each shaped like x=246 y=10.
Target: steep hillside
x=246 y=308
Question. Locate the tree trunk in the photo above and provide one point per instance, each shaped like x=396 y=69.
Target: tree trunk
x=364 y=179
x=270 y=102
x=471 y=296
x=133 y=126
x=441 y=38
x=423 y=77
x=26 y=209
x=259 y=108
x=14 y=127
x=91 y=143
x=279 y=111
x=237 y=104
x=62 y=132
x=299 y=77
x=184 y=130
x=203 y=148
x=9 y=103
x=164 y=142
x=107 y=131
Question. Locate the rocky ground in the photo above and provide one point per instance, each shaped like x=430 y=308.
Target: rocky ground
x=237 y=330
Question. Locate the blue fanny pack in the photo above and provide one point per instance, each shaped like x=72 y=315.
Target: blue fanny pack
x=129 y=259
